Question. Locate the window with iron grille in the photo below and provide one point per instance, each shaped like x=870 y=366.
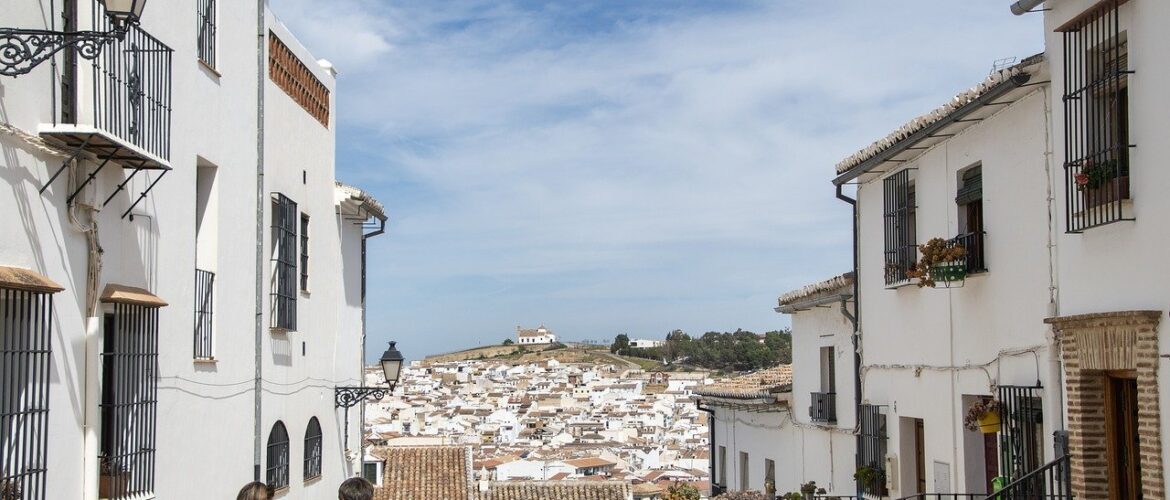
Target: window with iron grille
x=284 y=264
x=206 y=16
x=304 y=252
x=313 y=449
x=204 y=300
x=25 y=336
x=1096 y=108
x=969 y=200
x=277 y=476
x=871 y=447
x=901 y=245
x=129 y=399
x=1022 y=415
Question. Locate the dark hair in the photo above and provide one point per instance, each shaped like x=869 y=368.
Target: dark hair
x=255 y=491
x=355 y=488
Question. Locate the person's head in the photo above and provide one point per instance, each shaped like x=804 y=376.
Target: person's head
x=355 y=488
x=255 y=491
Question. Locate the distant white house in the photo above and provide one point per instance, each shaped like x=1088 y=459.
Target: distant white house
x=646 y=343
x=538 y=335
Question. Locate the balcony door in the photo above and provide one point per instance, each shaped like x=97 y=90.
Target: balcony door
x=1121 y=431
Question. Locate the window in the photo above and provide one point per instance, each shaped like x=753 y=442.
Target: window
x=969 y=200
x=901 y=247
x=206 y=17
x=1096 y=106
x=25 y=340
x=277 y=476
x=304 y=252
x=313 y=449
x=744 y=477
x=372 y=472
x=129 y=395
x=206 y=229
x=824 y=403
x=284 y=272
x=722 y=464
x=871 y=446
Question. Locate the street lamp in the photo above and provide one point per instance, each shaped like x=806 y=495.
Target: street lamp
x=348 y=397
x=21 y=50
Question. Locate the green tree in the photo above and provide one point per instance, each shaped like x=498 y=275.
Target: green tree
x=508 y=342
x=681 y=491
x=621 y=344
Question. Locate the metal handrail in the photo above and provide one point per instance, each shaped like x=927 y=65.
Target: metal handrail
x=1052 y=481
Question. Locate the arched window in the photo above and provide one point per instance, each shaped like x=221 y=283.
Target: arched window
x=313 y=449
x=278 y=456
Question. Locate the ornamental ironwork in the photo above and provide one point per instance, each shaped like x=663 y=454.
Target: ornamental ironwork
x=21 y=50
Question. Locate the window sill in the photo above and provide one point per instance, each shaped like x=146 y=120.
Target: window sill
x=313 y=480
x=206 y=361
x=1126 y=211
x=210 y=69
x=900 y=284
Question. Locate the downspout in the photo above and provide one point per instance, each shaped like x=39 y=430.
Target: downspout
x=362 y=363
x=257 y=443
x=856 y=320
x=711 y=443
x=1025 y=6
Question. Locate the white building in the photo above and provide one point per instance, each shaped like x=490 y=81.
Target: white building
x=204 y=268
x=646 y=343
x=539 y=335
x=823 y=384
x=974 y=173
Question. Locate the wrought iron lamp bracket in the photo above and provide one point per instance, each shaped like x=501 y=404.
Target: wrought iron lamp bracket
x=347 y=397
x=21 y=50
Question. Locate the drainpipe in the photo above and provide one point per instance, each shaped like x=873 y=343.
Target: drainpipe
x=711 y=443
x=856 y=320
x=1025 y=6
x=362 y=370
x=261 y=35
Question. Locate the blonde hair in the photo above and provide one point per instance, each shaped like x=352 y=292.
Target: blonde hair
x=255 y=491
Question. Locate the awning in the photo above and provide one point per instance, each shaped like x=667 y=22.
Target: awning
x=122 y=294
x=19 y=278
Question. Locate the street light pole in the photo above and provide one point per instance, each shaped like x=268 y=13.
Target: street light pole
x=349 y=396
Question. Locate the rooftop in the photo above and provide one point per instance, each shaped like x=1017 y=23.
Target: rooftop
x=414 y=472
x=556 y=490
x=763 y=384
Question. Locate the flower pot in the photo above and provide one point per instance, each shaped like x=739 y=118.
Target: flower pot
x=949 y=273
x=990 y=423
x=1109 y=191
x=113 y=485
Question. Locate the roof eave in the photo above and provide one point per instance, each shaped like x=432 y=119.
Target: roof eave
x=885 y=155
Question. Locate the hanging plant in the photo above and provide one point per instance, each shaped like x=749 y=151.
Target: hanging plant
x=941 y=262
x=983 y=416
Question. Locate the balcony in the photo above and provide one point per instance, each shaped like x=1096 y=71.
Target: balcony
x=204 y=300
x=975 y=261
x=823 y=407
x=116 y=106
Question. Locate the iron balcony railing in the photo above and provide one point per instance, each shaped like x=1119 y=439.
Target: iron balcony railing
x=944 y=496
x=1050 y=482
x=975 y=260
x=823 y=407
x=204 y=307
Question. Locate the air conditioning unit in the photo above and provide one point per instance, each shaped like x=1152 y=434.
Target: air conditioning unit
x=891 y=472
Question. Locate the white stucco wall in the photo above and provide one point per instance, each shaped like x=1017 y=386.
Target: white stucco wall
x=923 y=349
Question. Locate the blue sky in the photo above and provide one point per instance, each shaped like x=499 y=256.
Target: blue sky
x=621 y=166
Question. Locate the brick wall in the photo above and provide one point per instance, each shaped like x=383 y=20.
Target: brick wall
x=1090 y=346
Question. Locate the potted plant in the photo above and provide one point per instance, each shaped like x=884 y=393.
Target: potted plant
x=1101 y=182
x=792 y=495
x=867 y=476
x=941 y=262
x=10 y=490
x=114 y=479
x=983 y=416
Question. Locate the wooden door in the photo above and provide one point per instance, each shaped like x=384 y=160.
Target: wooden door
x=990 y=459
x=1121 y=436
x=920 y=454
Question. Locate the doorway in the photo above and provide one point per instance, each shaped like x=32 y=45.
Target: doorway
x=1121 y=436
x=920 y=454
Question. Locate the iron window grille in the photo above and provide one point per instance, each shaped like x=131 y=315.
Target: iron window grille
x=871 y=447
x=284 y=255
x=1019 y=438
x=901 y=247
x=824 y=407
x=129 y=398
x=304 y=252
x=1096 y=109
x=313 y=449
x=277 y=472
x=204 y=308
x=25 y=348
x=206 y=40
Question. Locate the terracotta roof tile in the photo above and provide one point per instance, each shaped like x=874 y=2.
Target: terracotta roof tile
x=557 y=490
x=757 y=385
x=424 y=473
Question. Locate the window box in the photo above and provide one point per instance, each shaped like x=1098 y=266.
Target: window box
x=1110 y=191
x=114 y=485
x=950 y=275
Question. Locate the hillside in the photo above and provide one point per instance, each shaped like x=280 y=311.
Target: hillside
x=574 y=353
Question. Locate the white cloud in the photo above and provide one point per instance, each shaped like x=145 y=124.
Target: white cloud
x=667 y=170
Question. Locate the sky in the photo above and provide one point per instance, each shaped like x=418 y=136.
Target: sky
x=622 y=166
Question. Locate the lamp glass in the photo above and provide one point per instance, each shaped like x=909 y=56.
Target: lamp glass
x=124 y=10
x=391 y=364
